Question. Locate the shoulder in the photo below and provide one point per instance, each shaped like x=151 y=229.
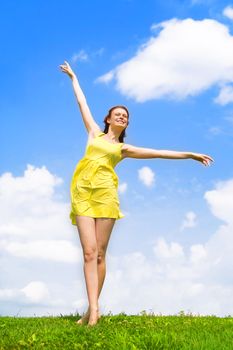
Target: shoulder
x=126 y=149
x=133 y=151
x=94 y=133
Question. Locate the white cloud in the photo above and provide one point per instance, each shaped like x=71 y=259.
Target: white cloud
x=79 y=56
x=34 y=298
x=8 y=294
x=30 y=207
x=36 y=292
x=54 y=250
x=198 y=253
x=215 y=130
x=146 y=176
x=122 y=187
x=166 y=283
x=197 y=279
x=35 y=225
x=225 y=95
x=34 y=182
x=99 y=52
x=186 y=58
x=106 y=78
x=35 y=221
x=83 y=56
x=33 y=292
x=162 y=250
x=189 y=221
x=168 y=279
x=221 y=200
x=228 y=12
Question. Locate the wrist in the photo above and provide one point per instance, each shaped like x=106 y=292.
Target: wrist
x=191 y=155
x=73 y=77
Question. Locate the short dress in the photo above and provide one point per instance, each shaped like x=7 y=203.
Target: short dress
x=94 y=182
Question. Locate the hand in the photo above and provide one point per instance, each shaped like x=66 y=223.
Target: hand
x=67 y=69
x=203 y=158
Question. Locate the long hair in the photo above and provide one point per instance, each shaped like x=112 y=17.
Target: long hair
x=123 y=134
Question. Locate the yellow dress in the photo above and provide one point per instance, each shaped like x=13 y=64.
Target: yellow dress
x=94 y=183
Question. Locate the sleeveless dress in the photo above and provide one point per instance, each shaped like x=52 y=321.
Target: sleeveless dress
x=94 y=182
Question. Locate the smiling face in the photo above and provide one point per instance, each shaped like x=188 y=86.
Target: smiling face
x=118 y=118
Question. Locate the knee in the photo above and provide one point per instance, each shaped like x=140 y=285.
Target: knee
x=90 y=255
x=101 y=257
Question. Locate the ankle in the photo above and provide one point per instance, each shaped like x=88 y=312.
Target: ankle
x=93 y=308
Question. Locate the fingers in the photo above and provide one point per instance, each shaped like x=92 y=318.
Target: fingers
x=65 y=66
x=63 y=69
x=206 y=161
x=208 y=157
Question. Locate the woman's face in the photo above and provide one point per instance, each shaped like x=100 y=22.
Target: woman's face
x=119 y=117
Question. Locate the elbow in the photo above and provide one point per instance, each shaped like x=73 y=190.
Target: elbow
x=82 y=101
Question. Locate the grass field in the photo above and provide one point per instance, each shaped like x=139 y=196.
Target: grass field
x=123 y=332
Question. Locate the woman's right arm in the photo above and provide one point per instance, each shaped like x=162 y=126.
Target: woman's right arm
x=89 y=122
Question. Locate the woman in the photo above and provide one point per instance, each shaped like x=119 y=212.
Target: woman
x=94 y=199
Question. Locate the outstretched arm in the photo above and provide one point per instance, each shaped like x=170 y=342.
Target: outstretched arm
x=144 y=153
x=89 y=122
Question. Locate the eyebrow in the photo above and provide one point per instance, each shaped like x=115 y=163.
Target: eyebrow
x=123 y=113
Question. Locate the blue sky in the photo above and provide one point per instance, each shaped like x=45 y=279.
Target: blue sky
x=171 y=64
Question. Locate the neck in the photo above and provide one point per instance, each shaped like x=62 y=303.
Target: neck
x=113 y=135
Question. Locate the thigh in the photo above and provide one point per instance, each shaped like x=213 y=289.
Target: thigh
x=104 y=228
x=86 y=229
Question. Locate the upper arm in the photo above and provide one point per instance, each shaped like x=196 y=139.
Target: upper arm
x=89 y=122
x=138 y=152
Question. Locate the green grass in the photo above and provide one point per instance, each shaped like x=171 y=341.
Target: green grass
x=123 y=332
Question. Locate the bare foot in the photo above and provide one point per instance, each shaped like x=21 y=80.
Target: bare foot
x=85 y=318
x=94 y=317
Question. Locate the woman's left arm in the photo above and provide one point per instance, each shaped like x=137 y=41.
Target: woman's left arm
x=144 y=153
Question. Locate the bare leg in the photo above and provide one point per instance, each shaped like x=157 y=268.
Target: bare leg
x=103 y=229
x=86 y=229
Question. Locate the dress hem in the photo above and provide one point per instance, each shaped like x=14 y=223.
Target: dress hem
x=72 y=217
